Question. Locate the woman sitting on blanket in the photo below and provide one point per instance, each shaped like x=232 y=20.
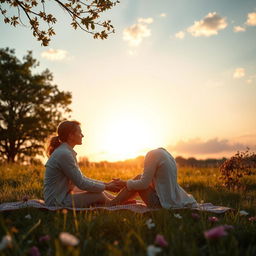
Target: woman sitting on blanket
x=64 y=184
x=157 y=186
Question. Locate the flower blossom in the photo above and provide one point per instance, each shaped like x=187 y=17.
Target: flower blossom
x=6 y=242
x=150 y=224
x=64 y=211
x=243 y=213
x=213 y=219
x=217 y=232
x=160 y=240
x=34 y=251
x=195 y=216
x=44 y=238
x=116 y=243
x=153 y=250
x=28 y=217
x=68 y=239
x=177 y=215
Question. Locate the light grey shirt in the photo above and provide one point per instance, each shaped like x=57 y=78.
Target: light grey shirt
x=62 y=170
x=160 y=170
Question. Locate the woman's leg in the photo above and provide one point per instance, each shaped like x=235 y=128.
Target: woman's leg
x=150 y=197
x=124 y=195
x=77 y=190
x=85 y=199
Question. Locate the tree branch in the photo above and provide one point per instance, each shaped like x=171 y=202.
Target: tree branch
x=30 y=20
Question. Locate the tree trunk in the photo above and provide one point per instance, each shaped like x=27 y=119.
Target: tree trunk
x=11 y=157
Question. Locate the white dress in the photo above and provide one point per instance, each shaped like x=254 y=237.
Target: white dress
x=161 y=170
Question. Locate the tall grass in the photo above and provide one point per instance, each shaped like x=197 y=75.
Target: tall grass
x=125 y=233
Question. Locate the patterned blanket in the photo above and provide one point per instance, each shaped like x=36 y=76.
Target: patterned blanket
x=139 y=207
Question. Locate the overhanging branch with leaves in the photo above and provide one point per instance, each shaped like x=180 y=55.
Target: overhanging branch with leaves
x=84 y=15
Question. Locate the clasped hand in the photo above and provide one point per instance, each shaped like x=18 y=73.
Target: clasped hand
x=115 y=185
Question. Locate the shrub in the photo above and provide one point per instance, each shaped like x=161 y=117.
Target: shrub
x=234 y=169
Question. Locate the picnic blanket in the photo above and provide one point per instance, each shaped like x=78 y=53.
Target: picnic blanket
x=139 y=207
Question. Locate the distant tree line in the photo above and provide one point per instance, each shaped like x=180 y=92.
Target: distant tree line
x=138 y=162
x=181 y=162
x=129 y=163
x=193 y=162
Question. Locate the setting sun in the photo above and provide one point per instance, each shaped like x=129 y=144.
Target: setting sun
x=128 y=137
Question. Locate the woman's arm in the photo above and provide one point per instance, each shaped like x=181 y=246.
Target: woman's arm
x=150 y=166
x=70 y=169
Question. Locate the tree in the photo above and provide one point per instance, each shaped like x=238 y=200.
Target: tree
x=83 y=14
x=181 y=161
x=30 y=106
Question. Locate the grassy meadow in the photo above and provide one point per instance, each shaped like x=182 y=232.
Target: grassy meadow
x=124 y=232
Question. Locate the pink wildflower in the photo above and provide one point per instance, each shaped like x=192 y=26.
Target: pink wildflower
x=116 y=243
x=44 y=238
x=217 y=232
x=228 y=227
x=252 y=219
x=213 y=219
x=160 y=240
x=195 y=216
x=34 y=251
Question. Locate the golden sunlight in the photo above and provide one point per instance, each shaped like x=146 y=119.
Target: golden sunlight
x=128 y=137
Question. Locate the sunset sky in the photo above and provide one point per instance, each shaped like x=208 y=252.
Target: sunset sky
x=176 y=74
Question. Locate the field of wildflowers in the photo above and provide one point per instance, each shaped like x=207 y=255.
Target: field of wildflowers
x=165 y=232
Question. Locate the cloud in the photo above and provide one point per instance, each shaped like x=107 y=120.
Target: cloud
x=251 y=19
x=54 y=54
x=145 y=20
x=239 y=29
x=208 y=26
x=211 y=146
x=163 y=15
x=251 y=79
x=239 y=73
x=180 y=35
x=135 y=33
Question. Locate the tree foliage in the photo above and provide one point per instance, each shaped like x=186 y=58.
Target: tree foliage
x=30 y=106
x=84 y=14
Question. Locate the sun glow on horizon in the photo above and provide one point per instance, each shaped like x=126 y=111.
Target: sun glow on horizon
x=128 y=137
